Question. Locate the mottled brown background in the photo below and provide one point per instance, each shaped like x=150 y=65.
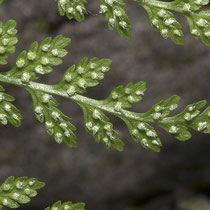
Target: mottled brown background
x=108 y=179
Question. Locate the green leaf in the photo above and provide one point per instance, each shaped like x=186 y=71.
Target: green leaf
x=7 y=39
x=161 y=18
x=143 y=133
x=39 y=59
x=8 y=112
x=162 y=109
x=1 y=1
x=98 y=124
x=160 y=15
x=116 y=17
x=164 y=21
x=190 y=5
x=199 y=24
x=123 y=97
x=199 y=28
x=16 y=191
x=72 y=9
x=66 y=206
x=178 y=125
x=190 y=117
x=139 y=124
x=55 y=121
x=85 y=74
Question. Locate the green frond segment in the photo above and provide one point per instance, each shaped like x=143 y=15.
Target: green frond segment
x=56 y=122
x=39 y=59
x=73 y=9
x=199 y=25
x=66 y=206
x=177 y=126
x=1 y=1
x=162 y=109
x=16 y=191
x=190 y=117
x=160 y=15
x=161 y=18
x=8 y=112
x=164 y=21
x=116 y=17
x=98 y=124
x=190 y=5
x=124 y=96
x=7 y=39
x=143 y=133
x=140 y=125
x=199 y=28
x=158 y=114
x=85 y=74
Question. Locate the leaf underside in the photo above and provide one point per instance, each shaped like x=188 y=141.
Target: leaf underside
x=16 y=191
x=39 y=59
x=8 y=112
x=161 y=16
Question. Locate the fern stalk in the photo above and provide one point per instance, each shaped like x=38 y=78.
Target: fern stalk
x=49 y=89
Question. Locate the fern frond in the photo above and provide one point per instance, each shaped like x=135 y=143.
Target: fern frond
x=8 y=112
x=7 y=39
x=72 y=9
x=66 y=206
x=16 y=191
x=87 y=74
x=161 y=16
x=1 y=1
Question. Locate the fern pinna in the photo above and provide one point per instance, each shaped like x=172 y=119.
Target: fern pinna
x=160 y=14
x=17 y=191
x=39 y=59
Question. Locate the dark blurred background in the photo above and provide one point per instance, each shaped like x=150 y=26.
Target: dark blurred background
x=177 y=178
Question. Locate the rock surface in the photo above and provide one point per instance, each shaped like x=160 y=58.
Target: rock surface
x=107 y=179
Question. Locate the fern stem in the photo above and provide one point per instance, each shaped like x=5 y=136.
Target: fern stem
x=80 y=99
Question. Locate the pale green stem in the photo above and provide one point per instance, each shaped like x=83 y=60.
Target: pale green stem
x=81 y=99
x=170 y=6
